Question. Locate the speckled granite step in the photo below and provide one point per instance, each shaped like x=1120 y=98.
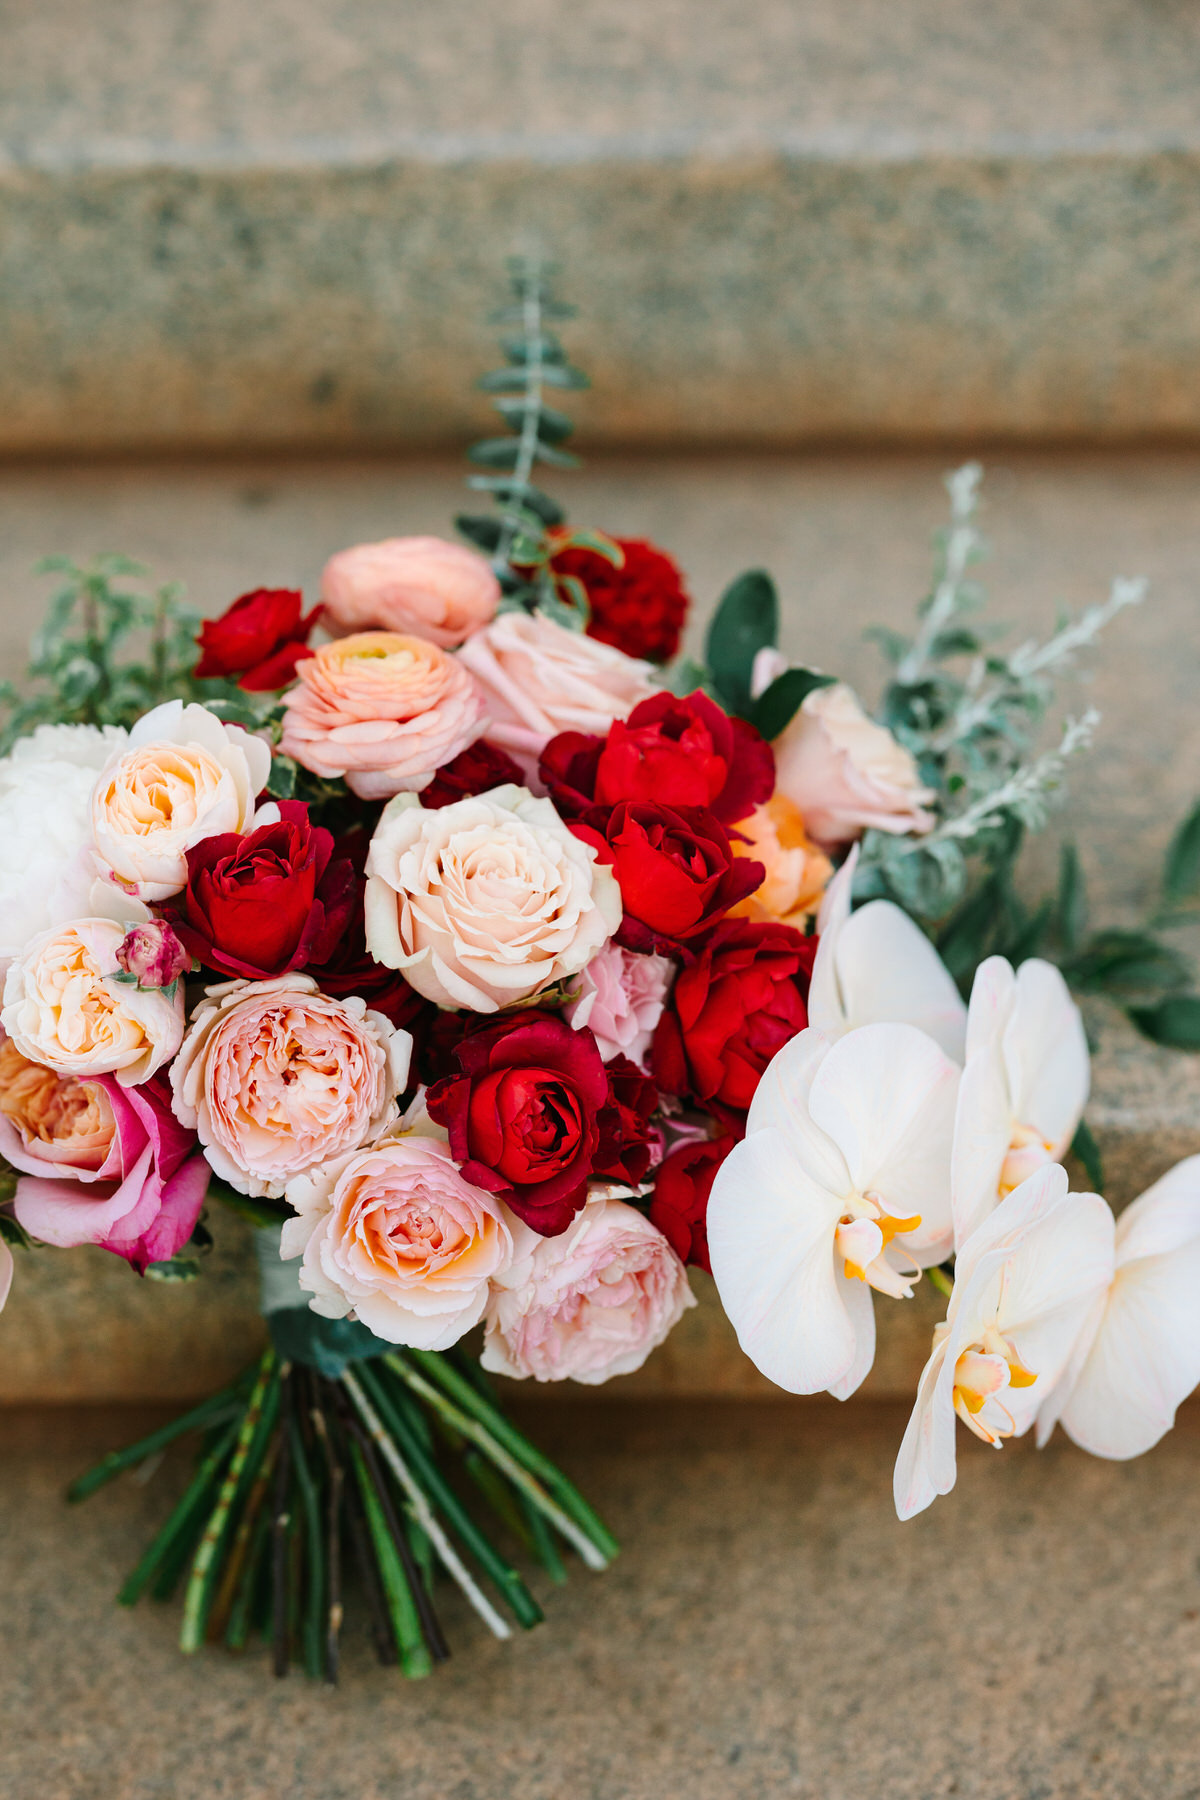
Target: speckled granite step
x=283 y=224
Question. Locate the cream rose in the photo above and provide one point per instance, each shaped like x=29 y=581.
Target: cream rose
x=421 y=585
x=394 y=1234
x=847 y=774
x=487 y=901
x=184 y=776
x=275 y=1077
x=381 y=710
x=540 y=679
x=67 y=1005
x=589 y=1304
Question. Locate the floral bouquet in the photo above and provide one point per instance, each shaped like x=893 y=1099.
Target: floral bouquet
x=494 y=965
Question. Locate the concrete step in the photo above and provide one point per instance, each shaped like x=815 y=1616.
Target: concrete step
x=283 y=224
x=848 y=540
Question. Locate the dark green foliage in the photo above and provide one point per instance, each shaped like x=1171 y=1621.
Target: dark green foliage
x=1085 y=1147
x=745 y=622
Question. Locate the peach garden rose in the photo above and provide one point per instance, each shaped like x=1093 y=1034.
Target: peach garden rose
x=846 y=774
x=275 y=1076
x=420 y=585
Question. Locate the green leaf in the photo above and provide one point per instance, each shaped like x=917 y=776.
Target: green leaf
x=685 y=676
x=13 y=1233
x=281 y=782
x=176 y=1270
x=1085 y=1148
x=327 y=1345
x=1070 y=910
x=496 y=453
x=259 y=1212
x=776 y=709
x=1181 y=871
x=1125 y=962
x=584 y=538
x=746 y=621
x=1173 y=1021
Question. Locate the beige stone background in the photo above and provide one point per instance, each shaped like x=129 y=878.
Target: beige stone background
x=821 y=254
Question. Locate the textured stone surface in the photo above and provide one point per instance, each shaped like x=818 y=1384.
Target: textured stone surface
x=770 y=1629
x=284 y=224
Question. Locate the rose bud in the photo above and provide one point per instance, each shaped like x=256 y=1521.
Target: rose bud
x=422 y=586
x=640 y=607
x=154 y=955
x=260 y=639
x=681 y=1189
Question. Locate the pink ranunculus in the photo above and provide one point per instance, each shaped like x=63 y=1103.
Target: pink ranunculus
x=620 y=999
x=395 y=1235
x=420 y=585
x=847 y=774
x=588 y=1304
x=540 y=679
x=101 y=1163
x=383 y=710
x=277 y=1077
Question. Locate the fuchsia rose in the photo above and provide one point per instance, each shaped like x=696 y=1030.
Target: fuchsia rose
x=100 y=1163
x=620 y=999
x=589 y=1304
x=423 y=585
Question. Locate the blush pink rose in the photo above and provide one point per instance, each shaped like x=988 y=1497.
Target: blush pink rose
x=589 y=1304
x=847 y=774
x=395 y=1235
x=276 y=1077
x=620 y=1000
x=420 y=585
x=540 y=679
x=381 y=710
x=101 y=1164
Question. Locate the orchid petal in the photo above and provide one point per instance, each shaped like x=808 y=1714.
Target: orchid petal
x=6 y=1272
x=1045 y=1049
x=982 y=1133
x=856 y=1298
x=927 y=1464
x=993 y=996
x=825 y=1010
x=781 y=1103
x=889 y=973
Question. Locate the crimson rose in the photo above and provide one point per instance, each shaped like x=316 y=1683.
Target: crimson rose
x=740 y=1001
x=349 y=969
x=679 y=752
x=266 y=903
x=640 y=607
x=260 y=639
x=475 y=770
x=681 y=1189
x=531 y=1117
x=675 y=868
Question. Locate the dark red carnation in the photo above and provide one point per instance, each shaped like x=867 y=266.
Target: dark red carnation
x=681 y=1189
x=266 y=903
x=742 y=999
x=640 y=607
x=676 y=751
x=675 y=868
x=475 y=770
x=260 y=639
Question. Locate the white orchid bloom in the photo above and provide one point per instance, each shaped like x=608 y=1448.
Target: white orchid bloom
x=841 y=1185
x=1025 y=1285
x=1024 y=1086
x=875 y=966
x=6 y=1272
x=1140 y=1357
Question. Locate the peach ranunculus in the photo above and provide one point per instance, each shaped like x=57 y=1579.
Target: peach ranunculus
x=275 y=1077
x=540 y=678
x=589 y=1304
x=382 y=710
x=184 y=776
x=487 y=901
x=67 y=1004
x=394 y=1234
x=797 y=872
x=847 y=774
x=421 y=585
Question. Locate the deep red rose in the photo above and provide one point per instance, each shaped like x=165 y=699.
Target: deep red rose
x=681 y=1189
x=626 y=1134
x=475 y=770
x=675 y=868
x=742 y=999
x=641 y=607
x=260 y=639
x=266 y=903
x=676 y=751
x=350 y=970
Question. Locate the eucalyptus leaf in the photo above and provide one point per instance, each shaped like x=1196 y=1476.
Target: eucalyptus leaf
x=1181 y=871
x=1070 y=912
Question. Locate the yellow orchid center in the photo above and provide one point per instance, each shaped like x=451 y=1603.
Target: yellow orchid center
x=983 y=1370
x=864 y=1233
x=1028 y=1151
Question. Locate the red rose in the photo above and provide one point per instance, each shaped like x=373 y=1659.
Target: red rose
x=349 y=969
x=266 y=903
x=678 y=752
x=742 y=999
x=626 y=1133
x=260 y=639
x=681 y=1189
x=475 y=770
x=641 y=607
x=675 y=868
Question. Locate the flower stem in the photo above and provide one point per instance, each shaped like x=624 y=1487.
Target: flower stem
x=187 y=1509
x=209 y=1412
x=415 y=1658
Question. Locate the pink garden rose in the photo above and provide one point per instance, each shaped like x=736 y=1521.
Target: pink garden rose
x=540 y=679
x=847 y=774
x=588 y=1304
x=277 y=1077
x=382 y=710
x=620 y=999
x=420 y=585
x=101 y=1164
x=396 y=1235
